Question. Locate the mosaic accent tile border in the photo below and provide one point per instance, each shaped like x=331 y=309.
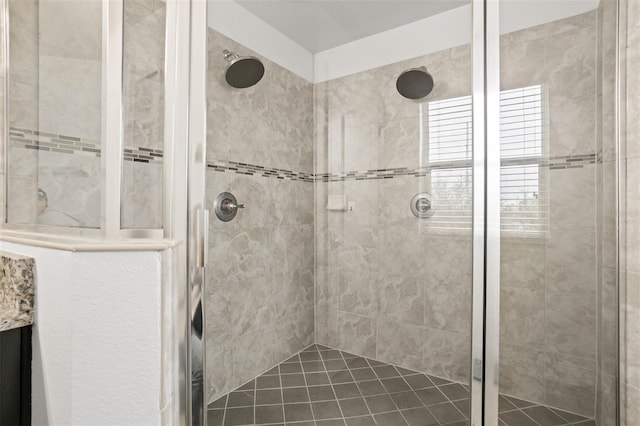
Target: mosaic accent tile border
x=553 y=163
x=63 y=144
x=42 y=141
x=252 y=169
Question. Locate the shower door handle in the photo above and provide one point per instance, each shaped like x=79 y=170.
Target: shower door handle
x=202 y=237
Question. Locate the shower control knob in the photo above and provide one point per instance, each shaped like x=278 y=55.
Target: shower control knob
x=421 y=206
x=226 y=206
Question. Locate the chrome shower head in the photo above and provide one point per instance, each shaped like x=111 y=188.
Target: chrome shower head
x=242 y=71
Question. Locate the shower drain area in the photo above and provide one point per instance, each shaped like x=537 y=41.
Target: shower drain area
x=324 y=386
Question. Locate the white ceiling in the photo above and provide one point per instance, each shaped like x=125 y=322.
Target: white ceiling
x=322 y=24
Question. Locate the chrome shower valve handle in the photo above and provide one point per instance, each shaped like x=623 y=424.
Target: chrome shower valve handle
x=226 y=206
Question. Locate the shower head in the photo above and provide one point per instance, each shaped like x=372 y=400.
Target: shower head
x=242 y=71
x=415 y=83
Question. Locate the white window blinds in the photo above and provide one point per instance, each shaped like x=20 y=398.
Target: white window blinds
x=523 y=189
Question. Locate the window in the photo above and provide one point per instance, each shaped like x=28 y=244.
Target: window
x=523 y=193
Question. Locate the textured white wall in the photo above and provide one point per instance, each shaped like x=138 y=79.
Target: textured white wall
x=97 y=337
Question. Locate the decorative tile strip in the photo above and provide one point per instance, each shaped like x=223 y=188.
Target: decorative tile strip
x=42 y=141
x=255 y=170
x=63 y=144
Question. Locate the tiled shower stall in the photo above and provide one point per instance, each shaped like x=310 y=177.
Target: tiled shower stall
x=365 y=291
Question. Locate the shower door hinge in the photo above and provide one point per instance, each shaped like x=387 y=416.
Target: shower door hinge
x=477 y=369
x=202 y=237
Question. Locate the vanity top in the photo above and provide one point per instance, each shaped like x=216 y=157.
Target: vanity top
x=17 y=285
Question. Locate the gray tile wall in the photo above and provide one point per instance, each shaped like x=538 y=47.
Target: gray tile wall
x=389 y=286
x=259 y=292
x=630 y=232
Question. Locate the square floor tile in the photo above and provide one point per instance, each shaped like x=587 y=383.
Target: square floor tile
x=406 y=372
x=292 y=380
x=353 y=407
x=419 y=417
x=291 y=368
x=219 y=403
x=314 y=379
x=321 y=393
x=269 y=414
x=310 y=356
x=297 y=412
x=268 y=396
x=360 y=374
x=238 y=416
x=505 y=405
x=295 y=358
x=371 y=387
x=446 y=412
x=569 y=417
x=358 y=362
x=454 y=391
x=346 y=390
x=268 y=382
x=330 y=354
x=360 y=421
x=340 y=376
x=520 y=403
x=385 y=371
x=292 y=395
x=215 y=417
x=430 y=396
x=312 y=366
x=326 y=410
x=438 y=381
x=544 y=416
x=240 y=399
x=404 y=400
x=335 y=364
x=390 y=419
x=464 y=405
x=248 y=386
x=380 y=403
x=331 y=422
x=516 y=418
x=418 y=381
x=273 y=372
x=395 y=384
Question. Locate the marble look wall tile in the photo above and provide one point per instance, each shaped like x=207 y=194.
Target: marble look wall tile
x=632 y=225
x=253 y=353
x=357 y=293
x=571 y=262
x=608 y=330
x=402 y=144
x=141 y=195
x=357 y=334
x=570 y=323
x=219 y=369
x=609 y=214
x=607 y=400
x=572 y=197
x=522 y=263
x=522 y=317
x=400 y=344
x=522 y=372
x=571 y=386
x=631 y=330
x=69 y=96
x=326 y=325
x=521 y=63
x=395 y=197
x=402 y=299
x=446 y=354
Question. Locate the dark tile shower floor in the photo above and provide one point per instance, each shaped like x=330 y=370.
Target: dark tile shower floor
x=323 y=386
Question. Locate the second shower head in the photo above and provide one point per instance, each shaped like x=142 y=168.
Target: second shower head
x=415 y=83
x=242 y=71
